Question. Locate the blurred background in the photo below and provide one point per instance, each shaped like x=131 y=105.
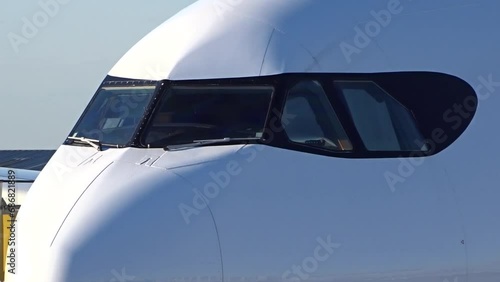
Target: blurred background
x=55 y=53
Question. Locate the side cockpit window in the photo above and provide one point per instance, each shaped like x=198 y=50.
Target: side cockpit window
x=313 y=121
x=382 y=122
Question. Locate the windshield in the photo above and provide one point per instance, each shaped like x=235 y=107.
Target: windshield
x=114 y=114
x=187 y=114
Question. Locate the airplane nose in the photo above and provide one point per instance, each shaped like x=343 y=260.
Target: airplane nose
x=127 y=226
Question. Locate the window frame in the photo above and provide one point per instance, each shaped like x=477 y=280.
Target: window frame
x=427 y=95
x=168 y=85
x=459 y=90
x=111 y=81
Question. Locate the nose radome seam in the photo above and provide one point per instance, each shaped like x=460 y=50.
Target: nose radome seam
x=211 y=215
x=76 y=202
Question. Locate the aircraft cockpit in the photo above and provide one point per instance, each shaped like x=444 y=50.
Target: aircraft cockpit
x=356 y=115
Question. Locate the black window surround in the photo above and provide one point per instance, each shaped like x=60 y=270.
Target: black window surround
x=428 y=95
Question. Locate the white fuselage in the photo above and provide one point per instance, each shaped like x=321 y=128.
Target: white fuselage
x=252 y=212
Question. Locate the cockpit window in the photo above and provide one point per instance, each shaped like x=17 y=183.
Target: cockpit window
x=190 y=113
x=383 y=123
x=313 y=121
x=114 y=114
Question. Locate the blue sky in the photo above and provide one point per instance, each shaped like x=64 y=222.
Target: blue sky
x=48 y=79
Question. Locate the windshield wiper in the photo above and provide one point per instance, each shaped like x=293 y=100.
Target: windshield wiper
x=210 y=142
x=92 y=142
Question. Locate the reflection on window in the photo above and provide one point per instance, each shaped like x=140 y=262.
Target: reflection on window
x=383 y=123
x=187 y=114
x=312 y=120
x=115 y=114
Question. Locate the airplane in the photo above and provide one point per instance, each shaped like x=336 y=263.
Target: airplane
x=297 y=140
